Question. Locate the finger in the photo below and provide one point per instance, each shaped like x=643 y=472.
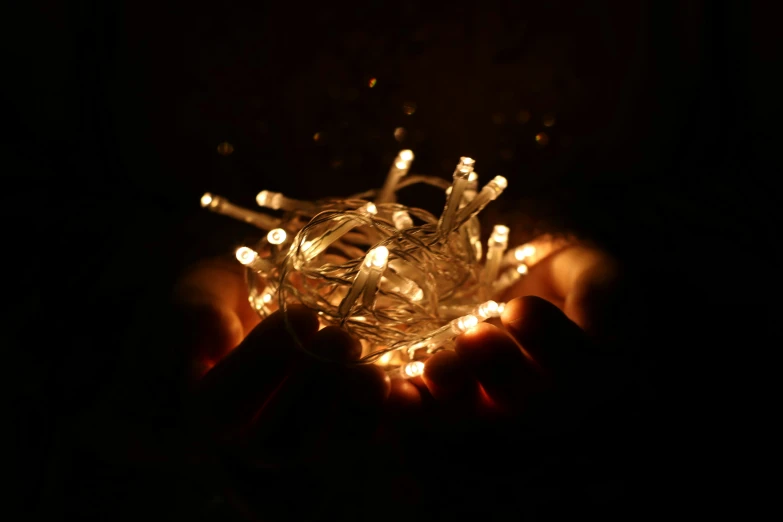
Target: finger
x=366 y=385
x=449 y=380
x=357 y=412
x=544 y=331
x=292 y=424
x=404 y=399
x=402 y=419
x=336 y=345
x=241 y=383
x=325 y=408
x=544 y=246
x=578 y=279
x=505 y=372
x=563 y=350
x=211 y=299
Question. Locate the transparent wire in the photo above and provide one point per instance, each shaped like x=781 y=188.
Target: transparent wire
x=427 y=289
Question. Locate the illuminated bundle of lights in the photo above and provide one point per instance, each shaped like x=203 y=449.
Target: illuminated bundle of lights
x=403 y=281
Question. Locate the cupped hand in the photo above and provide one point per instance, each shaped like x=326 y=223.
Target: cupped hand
x=258 y=391
x=550 y=343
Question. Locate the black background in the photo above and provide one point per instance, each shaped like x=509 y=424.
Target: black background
x=662 y=151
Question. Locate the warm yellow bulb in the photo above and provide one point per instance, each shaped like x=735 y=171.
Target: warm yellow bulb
x=524 y=252
x=385 y=358
x=466 y=322
x=522 y=269
x=377 y=258
x=206 y=199
x=276 y=236
x=488 y=309
x=263 y=198
x=501 y=182
x=406 y=155
x=267 y=298
x=371 y=208
x=414 y=368
x=499 y=234
x=246 y=255
x=402 y=220
x=473 y=176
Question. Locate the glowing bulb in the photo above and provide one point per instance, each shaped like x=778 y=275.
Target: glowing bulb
x=501 y=307
x=473 y=176
x=385 y=358
x=377 y=258
x=371 y=208
x=402 y=220
x=267 y=298
x=414 y=369
x=466 y=161
x=262 y=198
x=276 y=236
x=501 y=182
x=268 y=199
x=487 y=310
x=499 y=234
x=206 y=199
x=406 y=155
x=246 y=255
x=466 y=322
x=524 y=252
x=522 y=269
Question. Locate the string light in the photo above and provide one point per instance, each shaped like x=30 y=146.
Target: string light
x=276 y=236
x=403 y=281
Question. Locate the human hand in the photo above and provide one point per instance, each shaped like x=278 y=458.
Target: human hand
x=556 y=323
x=256 y=388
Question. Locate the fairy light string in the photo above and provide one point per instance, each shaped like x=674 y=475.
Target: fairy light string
x=403 y=281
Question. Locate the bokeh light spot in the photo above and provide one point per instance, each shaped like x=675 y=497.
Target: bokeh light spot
x=225 y=149
x=542 y=139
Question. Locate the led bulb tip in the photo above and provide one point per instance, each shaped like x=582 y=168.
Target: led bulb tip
x=406 y=155
x=500 y=233
x=246 y=255
x=466 y=322
x=384 y=359
x=206 y=199
x=371 y=208
x=378 y=257
x=276 y=236
x=522 y=269
x=501 y=182
x=414 y=369
x=262 y=198
x=524 y=252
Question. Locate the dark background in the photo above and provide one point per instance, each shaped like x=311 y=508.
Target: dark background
x=662 y=151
